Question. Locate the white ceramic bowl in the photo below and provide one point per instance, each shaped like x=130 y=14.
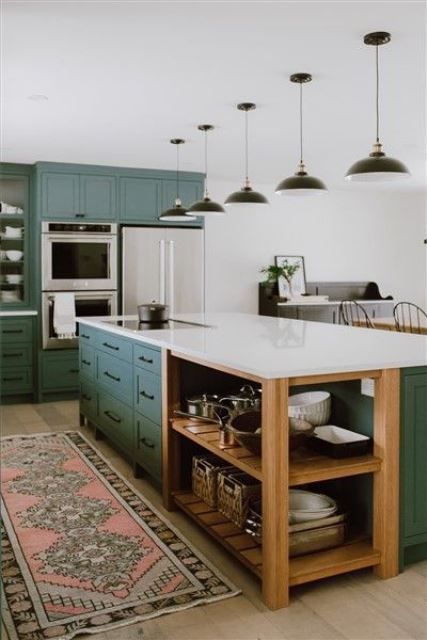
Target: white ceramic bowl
x=14 y=256
x=14 y=278
x=313 y=406
x=305 y=505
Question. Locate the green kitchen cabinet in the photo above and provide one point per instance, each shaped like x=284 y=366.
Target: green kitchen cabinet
x=60 y=195
x=98 y=196
x=413 y=458
x=120 y=393
x=59 y=371
x=140 y=199
x=17 y=356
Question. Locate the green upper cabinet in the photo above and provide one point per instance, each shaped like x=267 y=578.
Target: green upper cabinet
x=98 y=196
x=139 y=199
x=70 y=195
x=60 y=195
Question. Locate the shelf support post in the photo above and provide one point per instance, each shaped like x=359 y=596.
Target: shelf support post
x=171 y=445
x=275 y=472
x=386 y=481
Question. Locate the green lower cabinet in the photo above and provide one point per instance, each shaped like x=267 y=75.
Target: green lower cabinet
x=413 y=461
x=60 y=370
x=148 y=445
x=17 y=357
x=16 y=381
x=115 y=375
x=116 y=419
x=88 y=399
x=148 y=398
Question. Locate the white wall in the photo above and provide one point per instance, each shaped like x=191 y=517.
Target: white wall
x=351 y=234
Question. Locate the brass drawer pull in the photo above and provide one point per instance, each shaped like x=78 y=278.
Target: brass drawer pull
x=13 y=331
x=83 y=335
x=110 y=375
x=110 y=346
x=112 y=417
x=74 y=370
x=147 y=360
x=144 y=394
x=12 y=355
x=86 y=362
x=80 y=215
x=147 y=443
x=13 y=379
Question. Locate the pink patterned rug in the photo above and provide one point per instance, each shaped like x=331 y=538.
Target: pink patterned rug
x=82 y=551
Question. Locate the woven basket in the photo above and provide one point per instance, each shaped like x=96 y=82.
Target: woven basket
x=205 y=477
x=235 y=489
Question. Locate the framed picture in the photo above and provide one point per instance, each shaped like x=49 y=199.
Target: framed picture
x=293 y=285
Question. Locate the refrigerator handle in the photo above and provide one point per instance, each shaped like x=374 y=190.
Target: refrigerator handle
x=171 y=277
x=162 y=272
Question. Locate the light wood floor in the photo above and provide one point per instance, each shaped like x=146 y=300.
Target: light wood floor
x=356 y=606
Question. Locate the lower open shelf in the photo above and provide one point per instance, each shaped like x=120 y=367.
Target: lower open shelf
x=355 y=554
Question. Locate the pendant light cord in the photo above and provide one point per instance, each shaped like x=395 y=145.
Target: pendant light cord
x=206 y=163
x=300 y=123
x=247 y=147
x=177 y=171
x=377 y=94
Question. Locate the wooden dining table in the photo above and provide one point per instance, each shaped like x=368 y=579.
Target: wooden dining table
x=390 y=325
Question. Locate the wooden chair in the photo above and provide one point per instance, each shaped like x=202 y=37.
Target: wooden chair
x=353 y=314
x=409 y=317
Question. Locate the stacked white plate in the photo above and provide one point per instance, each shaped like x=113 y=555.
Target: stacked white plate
x=305 y=506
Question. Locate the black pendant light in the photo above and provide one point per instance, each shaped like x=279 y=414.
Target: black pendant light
x=246 y=196
x=206 y=207
x=377 y=166
x=301 y=184
x=177 y=213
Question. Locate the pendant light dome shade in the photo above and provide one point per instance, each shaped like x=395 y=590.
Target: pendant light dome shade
x=246 y=196
x=177 y=213
x=301 y=184
x=206 y=206
x=377 y=166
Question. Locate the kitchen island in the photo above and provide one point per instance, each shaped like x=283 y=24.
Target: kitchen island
x=138 y=370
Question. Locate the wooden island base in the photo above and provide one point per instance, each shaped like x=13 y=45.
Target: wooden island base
x=270 y=562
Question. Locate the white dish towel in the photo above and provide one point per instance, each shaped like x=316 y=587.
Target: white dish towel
x=64 y=316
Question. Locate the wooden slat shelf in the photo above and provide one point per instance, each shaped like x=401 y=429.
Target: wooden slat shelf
x=353 y=555
x=207 y=435
x=241 y=545
x=304 y=466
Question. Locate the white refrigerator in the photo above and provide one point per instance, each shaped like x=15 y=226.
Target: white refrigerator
x=165 y=265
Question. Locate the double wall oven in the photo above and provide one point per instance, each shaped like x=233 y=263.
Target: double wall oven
x=82 y=258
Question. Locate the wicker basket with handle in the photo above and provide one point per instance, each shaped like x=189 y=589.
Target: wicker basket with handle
x=205 y=477
x=235 y=489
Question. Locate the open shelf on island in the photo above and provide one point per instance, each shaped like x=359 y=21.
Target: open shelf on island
x=354 y=554
x=304 y=466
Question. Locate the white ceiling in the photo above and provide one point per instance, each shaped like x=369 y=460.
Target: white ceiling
x=124 y=77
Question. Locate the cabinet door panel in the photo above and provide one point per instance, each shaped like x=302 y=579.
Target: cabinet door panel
x=414 y=453
x=115 y=375
x=16 y=355
x=16 y=330
x=148 y=398
x=60 y=195
x=60 y=370
x=117 y=420
x=88 y=399
x=16 y=380
x=98 y=196
x=139 y=199
x=148 y=447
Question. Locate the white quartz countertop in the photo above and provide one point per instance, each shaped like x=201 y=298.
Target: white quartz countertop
x=8 y=314
x=279 y=347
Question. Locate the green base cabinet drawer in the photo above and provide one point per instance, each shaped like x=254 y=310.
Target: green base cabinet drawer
x=87 y=361
x=88 y=399
x=148 y=445
x=16 y=330
x=87 y=335
x=114 y=375
x=117 y=420
x=117 y=347
x=147 y=358
x=16 y=380
x=60 y=371
x=148 y=399
x=16 y=355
